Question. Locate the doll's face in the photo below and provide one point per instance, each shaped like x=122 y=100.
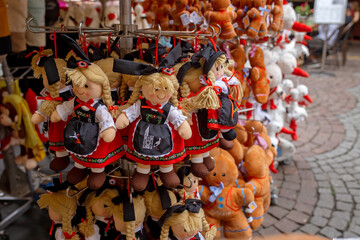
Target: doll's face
x=218 y=70
x=119 y=223
x=89 y=91
x=99 y=208
x=190 y=183
x=54 y=215
x=156 y=95
x=180 y=232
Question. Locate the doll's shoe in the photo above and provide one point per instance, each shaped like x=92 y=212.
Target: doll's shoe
x=139 y=181
x=209 y=163
x=76 y=175
x=96 y=180
x=225 y=144
x=199 y=170
x=170 y=179
x=59 y=163
x=229 y=135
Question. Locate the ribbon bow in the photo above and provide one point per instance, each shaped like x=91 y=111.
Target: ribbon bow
x=84 y=104
x=246 y=72
x=242 y=169
x=215 y=192
x=263 y=10
x=74 y=63
x=191 y=205
x=260 y=141
x=252 y=50
x=151 y=106
x=68 y=236
x=49 y=98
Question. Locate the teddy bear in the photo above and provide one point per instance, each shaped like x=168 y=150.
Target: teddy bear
x=194 y=5
x=161 y=10
x=242 y=18
x=277 y=15
x=221 y=16
x=223 y=200
x=258 y=16
x=258 y=76
x=177 y=14
x=258 y=182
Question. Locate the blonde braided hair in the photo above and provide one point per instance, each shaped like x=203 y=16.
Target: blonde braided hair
x=39 y=70
x=64 y=206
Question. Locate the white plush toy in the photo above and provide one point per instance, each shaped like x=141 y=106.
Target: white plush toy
x=140 y=16
x=288 y=65
x=290 y=22
x=111 y=14
x=74 y=15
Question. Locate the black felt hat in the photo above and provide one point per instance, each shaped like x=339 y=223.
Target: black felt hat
x=210 y=55
x=51 y=70
x=73 y=45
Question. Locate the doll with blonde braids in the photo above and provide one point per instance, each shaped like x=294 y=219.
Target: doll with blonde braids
x=129 y=217
x=51 y=70
x=99 y=223
x=186 y=221
x=225 y=118
x=61 y=211
x=90 y=136
x=158 y=128
x=197 y=99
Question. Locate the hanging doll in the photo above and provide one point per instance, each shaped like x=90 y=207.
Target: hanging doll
x=61 y=211
x=189 y=184
x=198 y=98
x=88 y=136
x=129 y=217
x=158 y=128
x=186 y=221
x=15 y=114
x=224 y=118
x=51 y=70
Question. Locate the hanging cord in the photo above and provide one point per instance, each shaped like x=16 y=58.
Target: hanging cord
x=213 y=41
x=108 y=45
x=55 y=44
x=156 y=51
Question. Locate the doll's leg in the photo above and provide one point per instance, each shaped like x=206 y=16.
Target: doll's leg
x=77 y=173
x=96 y=178
x=225 y=144
x=257 y=214
x=168 y=176
x=140 y=178
x=198 y=168
x=60 y=162
x=237 y=227
x=208 y=161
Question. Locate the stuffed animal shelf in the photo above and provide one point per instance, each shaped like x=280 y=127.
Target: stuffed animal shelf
x=220 y=15
x=223 y=200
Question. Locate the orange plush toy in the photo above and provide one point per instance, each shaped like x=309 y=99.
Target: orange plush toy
x=180 y=10
x=242 y=19
x=277 y=13
x=194 y=5
x=258 y=23
x=221 y=16
x=258 y=181
x=260 y=83
x=223 y=200
x=162 y=12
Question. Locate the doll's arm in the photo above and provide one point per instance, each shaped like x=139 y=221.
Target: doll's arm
x=179 y=121
x=204 y=193
x=59 y=235
x=128 y=115
x=253 y=186
x=106 y=124
x=253 y=13
x=37 y=117
x=63 y=111
x=242 y=196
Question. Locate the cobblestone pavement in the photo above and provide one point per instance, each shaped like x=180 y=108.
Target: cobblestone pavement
x=319 y=191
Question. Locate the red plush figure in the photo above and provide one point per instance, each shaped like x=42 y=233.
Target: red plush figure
x=260 y=83
x=178 y=13
x=221 y=16
x=224 y=200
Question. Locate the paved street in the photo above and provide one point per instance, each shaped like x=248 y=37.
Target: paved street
x=319 y=192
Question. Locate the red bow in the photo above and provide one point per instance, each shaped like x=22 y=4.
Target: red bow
x=84 y=104
x=156 y=107
x=68 y=236
x=49 y=98
x=110 y=220
x=52 y=228
x=113 y=107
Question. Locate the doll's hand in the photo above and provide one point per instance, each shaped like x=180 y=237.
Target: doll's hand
x=185 y=130
x=37 y=118
x=108 y=135
x=122 y=121
x=55 y=117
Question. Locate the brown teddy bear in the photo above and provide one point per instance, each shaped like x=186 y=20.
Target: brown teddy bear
x=258 y=23
x=162 y=11
x=223 y=200
x=242 y=19
x=258 y=76
x=180 y=10
x=277 y=15
x=221 y=16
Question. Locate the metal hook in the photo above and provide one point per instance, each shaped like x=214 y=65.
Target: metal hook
x=46 y=176
x=75 y=194
x=220 y=30
x=81 y=29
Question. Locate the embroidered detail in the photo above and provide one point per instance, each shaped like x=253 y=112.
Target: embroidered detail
x=99 y=160
x=147 y=158
x=208 y=144
x=241 y=230
x=56 y=144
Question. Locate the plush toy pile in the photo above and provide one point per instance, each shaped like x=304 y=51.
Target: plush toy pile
x=176 y=139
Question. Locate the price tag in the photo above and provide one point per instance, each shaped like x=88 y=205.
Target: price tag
x=231 y=8
x=246 y=21
x=171 y=22
x=185 y=19
x=195 y=18
x=235 y=25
